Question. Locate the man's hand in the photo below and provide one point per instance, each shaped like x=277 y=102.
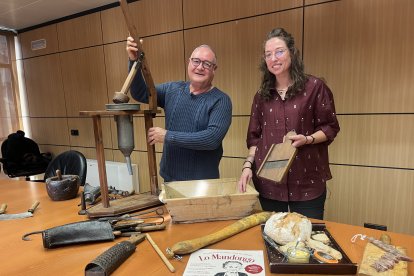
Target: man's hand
x=156 y=135
x=132 y=48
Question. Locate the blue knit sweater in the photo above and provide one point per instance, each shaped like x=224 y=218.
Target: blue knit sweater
x=196 y=126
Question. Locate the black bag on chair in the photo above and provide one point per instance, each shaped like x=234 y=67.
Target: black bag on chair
x=21 y=156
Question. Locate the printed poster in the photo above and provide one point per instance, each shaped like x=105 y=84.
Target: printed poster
x=216 y=262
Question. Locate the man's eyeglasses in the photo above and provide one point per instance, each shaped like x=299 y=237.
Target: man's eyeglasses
x=206 y=64
x=278 y=53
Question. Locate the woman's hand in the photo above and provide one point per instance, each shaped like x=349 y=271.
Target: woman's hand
x=298 y=140
x=132 y=48
x=245 y=178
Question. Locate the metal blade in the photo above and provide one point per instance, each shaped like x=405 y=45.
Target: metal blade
x=276 y=164
x=16 y=216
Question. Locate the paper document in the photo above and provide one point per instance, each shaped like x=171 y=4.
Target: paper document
x=216 y=262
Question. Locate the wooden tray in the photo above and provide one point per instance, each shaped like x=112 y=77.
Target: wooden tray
x=278 y=263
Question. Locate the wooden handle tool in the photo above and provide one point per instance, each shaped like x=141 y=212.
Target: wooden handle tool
x=3 y=208
x=150 y=228
x=34 y=206
x=152 y=97
x=59 y=174
x=157 y=249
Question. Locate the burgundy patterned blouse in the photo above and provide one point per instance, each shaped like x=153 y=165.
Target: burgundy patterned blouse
x=311 y=110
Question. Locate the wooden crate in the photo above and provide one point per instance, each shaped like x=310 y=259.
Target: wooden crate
x=207 y=200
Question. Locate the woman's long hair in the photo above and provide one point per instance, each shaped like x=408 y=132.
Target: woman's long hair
x=296 y=70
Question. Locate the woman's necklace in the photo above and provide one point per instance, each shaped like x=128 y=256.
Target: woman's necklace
x=282 y=91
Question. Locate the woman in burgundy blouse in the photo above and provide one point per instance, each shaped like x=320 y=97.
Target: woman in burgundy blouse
x=288 y=99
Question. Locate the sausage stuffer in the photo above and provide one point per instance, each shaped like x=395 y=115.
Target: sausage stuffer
x=125 y=130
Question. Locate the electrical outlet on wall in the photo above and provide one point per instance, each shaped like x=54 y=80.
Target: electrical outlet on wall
x=74 y=132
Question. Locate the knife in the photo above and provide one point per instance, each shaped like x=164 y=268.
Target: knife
x=27 y=214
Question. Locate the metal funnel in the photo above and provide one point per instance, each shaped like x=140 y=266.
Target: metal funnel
x=125 y=126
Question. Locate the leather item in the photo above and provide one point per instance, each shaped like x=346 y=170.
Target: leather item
x=74 y=233
x=78 y=232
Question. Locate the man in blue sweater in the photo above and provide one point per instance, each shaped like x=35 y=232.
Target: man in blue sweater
x=197 y=117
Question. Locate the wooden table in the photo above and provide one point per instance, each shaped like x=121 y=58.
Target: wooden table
x=20 y=257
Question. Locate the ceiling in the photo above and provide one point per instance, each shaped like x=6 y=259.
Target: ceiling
x=20 y=14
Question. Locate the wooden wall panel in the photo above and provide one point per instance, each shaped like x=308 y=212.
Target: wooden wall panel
x=80 y=32
x=44 y=86
x=86 y=136
x=162 y=51
x=149 y=16
x=199 y=12
x=231 y=167
x=383 y=196
x=238 y=46
x=52 y=131
x=116 y=68
x=234 y=144
x=374 y=140
x=165 y=54
x=367 y=61
x=54 y=149
x=49 y=33
x=90 y=153
x=312 y=2
x=84 y=80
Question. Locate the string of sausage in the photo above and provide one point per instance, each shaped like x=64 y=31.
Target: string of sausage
x=390 y=258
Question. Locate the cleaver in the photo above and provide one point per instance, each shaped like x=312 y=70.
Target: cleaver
x=27 y=214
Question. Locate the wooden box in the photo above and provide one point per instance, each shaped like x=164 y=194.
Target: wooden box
x=207 y=200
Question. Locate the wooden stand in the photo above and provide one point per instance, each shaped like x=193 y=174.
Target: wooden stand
x=139 y=201
x=131 y=203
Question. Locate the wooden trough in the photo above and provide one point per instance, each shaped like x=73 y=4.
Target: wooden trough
x=207 y=200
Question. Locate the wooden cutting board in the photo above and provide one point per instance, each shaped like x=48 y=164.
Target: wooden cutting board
x=278 y=160
x=373 y=253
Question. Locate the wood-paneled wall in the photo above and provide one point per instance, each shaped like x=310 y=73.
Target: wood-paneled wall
x=361 y=48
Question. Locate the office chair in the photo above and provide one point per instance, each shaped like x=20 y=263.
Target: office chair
x=21 y=156
x=68 y=162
